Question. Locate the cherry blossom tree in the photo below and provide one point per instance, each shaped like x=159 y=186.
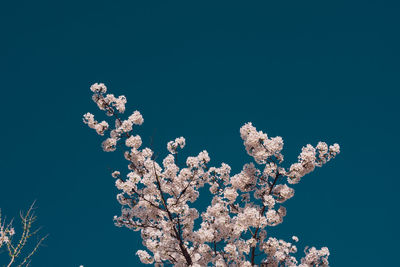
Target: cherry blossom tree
x=156 y=197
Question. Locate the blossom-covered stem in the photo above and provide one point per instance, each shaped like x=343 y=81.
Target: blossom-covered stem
x=184 y=189
x=253 y=249
x=148 y=201
x=114 y=114
x=273 y=184
x=178 y=236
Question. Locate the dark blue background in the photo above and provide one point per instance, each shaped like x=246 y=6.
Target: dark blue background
x=304 y=70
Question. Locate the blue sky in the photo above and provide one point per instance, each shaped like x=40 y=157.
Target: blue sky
x=307 y=71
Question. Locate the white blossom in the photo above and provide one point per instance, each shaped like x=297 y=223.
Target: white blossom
x=120 y=104
x=136 y=118
x=315 y=257
x=269 y=201
x=144 y=257
x=115 y=174
x=173 y=145
x=134 y=141
x=258 y=145
x=109 y=144
x=231 y=194
x=98 y=88
x=100 y=128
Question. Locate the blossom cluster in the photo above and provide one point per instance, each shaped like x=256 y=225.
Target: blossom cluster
x=113 y=106
x=6 y=233
x=156 y=198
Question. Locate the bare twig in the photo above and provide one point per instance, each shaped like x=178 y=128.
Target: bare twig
x=16 y=250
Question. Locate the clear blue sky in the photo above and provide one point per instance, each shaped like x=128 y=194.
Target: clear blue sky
x=304 y=70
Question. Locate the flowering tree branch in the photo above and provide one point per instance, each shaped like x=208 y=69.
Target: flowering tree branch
x=156 y=198
x=15 y=250
x=177 y=232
